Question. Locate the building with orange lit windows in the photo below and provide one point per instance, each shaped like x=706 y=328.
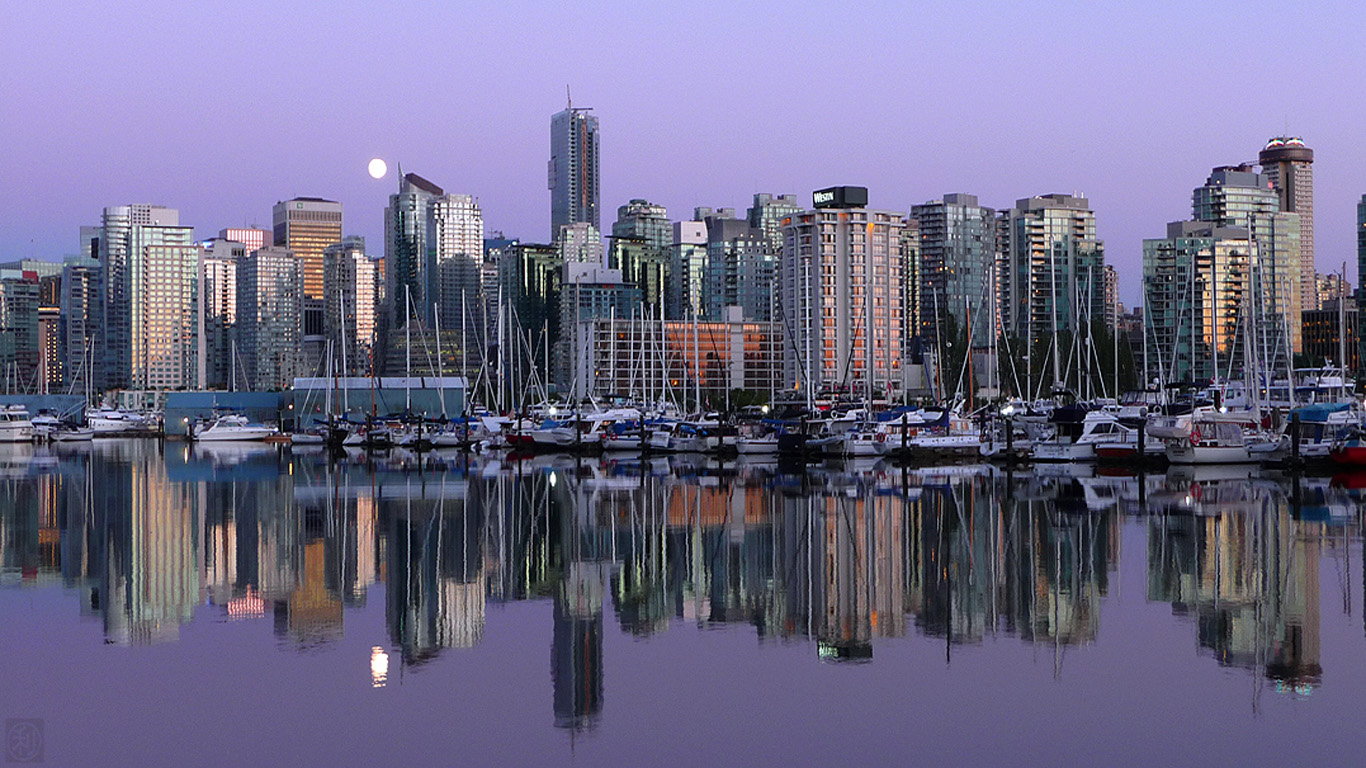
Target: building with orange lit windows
x=840 y=296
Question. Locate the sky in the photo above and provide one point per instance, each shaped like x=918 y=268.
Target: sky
x=222 y=111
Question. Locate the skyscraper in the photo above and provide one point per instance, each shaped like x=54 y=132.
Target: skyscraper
x=269 y=317
x=306 y=226
x=687 y=261
x=956 y=241
x=840 y=282
x=1290 y=166
x=434 y=246
x=738 y=271
x=1052 y=267
x=1197 y=285
x=218 y=302
x=151 y=273
x=457 y=243
x=20 y=339
x=767 y=215
x=1236 y=196
x=82 y=311
x=573 y=169
x=351 y=280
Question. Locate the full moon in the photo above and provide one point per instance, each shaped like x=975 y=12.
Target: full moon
x=378 y=168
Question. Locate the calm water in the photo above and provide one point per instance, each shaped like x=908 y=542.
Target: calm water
x=168 y=605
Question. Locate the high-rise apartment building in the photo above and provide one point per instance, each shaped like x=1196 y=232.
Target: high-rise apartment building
x=767 y=215
x=270 y=317
x=739 y=270
x=82 y=310
x=639 y=248
x=587 y=292
x=1289 y=164
x=20 y=336
x=434 y=247
x=687 y=262
x=956 y=242
x=840 y=282
x=642 y=264
x=1051 y=269
x=1113 y=307
x=573 y=169
x=457 y=239
x=645 y=220
x=352 y=283
x=218 y=305
x=306 y=226
x=1198 y=288
x=1236 y=196
x=151 y=275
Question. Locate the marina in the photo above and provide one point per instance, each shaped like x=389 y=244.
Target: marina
x=562 y=601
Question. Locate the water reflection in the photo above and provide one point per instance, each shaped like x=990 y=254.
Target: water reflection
x=838 y=557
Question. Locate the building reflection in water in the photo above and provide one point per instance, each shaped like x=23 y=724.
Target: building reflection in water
x=149 y=535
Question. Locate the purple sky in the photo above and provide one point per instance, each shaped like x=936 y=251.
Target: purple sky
x=221 y=113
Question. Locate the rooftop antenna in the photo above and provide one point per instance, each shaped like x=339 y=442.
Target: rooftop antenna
x=569 y=100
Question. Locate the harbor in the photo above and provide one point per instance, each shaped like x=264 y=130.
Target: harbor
x=556 y=598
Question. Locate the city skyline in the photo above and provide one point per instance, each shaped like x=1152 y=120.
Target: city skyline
x=1126 y=108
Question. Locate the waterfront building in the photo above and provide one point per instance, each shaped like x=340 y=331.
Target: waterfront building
x=251 y=238
x=1361 y=270
x=81 y=306
x=270 y=317
x=306 y=226
x=840 y=280
x=1289 y=165
x=20 y=336
x=218 y=293
x=687 y=265
x=410 y=272
x=588 y=292
x=457 y=253
x=638 y=358
x=956 y=244
x=572 y=172
x=351 y=316
x=739 y=269
x=1237 y=196
x=1051 y=267
x=1198 y=283
x=151 y=277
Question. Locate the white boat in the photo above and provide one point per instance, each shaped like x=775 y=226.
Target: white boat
x=862 y=442
x=110 y=422
x=1214 y=440
x=45 y=425
x=15 y=426
x=230 y=427
x=70 y=434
